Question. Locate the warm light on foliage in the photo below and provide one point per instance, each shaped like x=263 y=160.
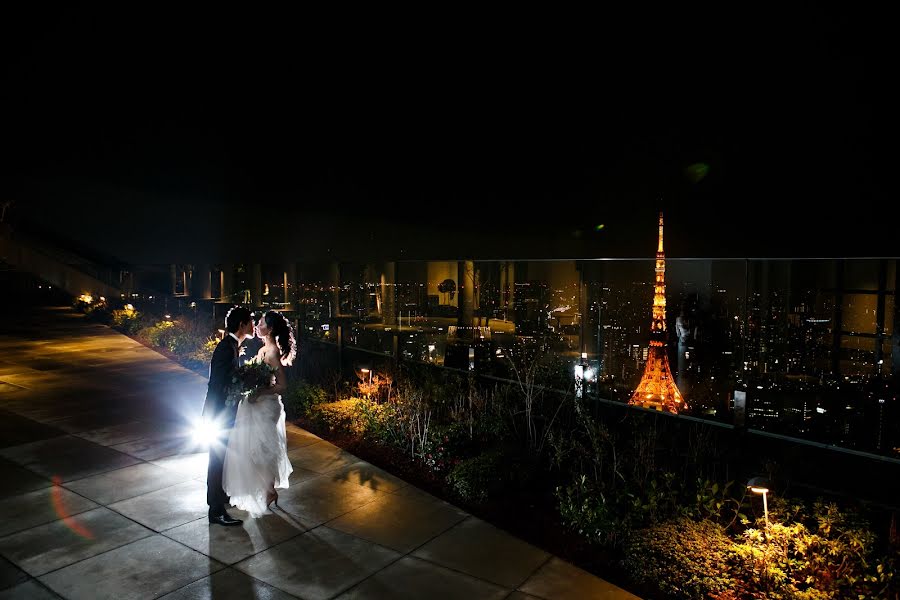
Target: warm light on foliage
x=374 y=386
x=126 y=319
x=820 y=554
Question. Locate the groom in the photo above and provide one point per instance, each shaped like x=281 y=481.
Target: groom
x=238 y=327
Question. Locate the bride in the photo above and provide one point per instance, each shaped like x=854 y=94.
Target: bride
x=256 y=461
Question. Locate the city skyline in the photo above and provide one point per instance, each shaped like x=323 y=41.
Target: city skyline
x=812 y=344
x=801 y=344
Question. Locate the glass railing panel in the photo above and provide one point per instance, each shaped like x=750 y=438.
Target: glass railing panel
x=785 y=345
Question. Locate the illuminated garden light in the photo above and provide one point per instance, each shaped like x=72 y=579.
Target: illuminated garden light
x=759 y=485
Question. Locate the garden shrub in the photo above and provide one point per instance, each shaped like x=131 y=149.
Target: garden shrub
x=476 y=479
x=82 y=302
x=487 y=475
x=379 y=423
x=301 y=397
x=714 y=501
x=589 y=512
x=606 y=512
x=447 y=446
x=341 y=415
x=181 y=339
x=160 y=335
x=127 y=320
x=683 y=558
x=823 y=553
x=203 y=353
x=89 y=305
x=491 y=427
x=404 y=421
x=393 y=424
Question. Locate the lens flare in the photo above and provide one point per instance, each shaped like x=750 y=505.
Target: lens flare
x=696 y=172
x=205 y=433
x=59 y=506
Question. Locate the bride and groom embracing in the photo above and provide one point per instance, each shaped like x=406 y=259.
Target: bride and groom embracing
x=248 y=459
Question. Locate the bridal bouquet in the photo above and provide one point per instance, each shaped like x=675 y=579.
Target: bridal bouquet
x=251 y=376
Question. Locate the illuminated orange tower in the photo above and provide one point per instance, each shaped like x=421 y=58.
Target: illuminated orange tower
x=657 y=388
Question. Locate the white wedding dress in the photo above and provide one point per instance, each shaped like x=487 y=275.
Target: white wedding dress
x=257 y=454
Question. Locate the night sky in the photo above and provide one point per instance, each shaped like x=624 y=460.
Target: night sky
x=158 y=137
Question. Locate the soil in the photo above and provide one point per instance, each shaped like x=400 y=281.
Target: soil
x=531 y=515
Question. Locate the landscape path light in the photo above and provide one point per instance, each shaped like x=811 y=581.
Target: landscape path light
x=760 y=485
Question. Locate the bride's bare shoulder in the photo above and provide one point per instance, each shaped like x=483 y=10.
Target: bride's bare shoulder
x=271 y=358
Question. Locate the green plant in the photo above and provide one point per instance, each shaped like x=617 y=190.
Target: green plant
x=448 y=445
x=406 y=419
x=374 y=387
x=126 y=319
x=179 y=338
x=683 y=558
x=341 y=415
x=301 y=397
x=534 y=376
x=203 y=353
x=94 y=308
x=87 y=303
x=482 y=477
x=378 y=422
x=605 y=514
x=825 y=553
x=714 y=502
x=160 y=334
x=587 y=511
x=818 y=553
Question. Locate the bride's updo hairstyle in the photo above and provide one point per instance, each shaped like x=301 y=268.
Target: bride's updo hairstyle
x=283 y=334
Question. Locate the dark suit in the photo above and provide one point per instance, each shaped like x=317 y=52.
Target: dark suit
x=224 y=363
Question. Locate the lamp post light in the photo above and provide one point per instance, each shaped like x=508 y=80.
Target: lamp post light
x=760 y=485
x=580 y=369
x=364 y=370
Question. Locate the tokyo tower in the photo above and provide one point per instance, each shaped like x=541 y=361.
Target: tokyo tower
x=657 y=389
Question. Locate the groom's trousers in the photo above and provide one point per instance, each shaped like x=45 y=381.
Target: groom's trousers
x=216 y=497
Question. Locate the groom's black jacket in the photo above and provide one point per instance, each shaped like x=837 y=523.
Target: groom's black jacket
x=224 y=363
